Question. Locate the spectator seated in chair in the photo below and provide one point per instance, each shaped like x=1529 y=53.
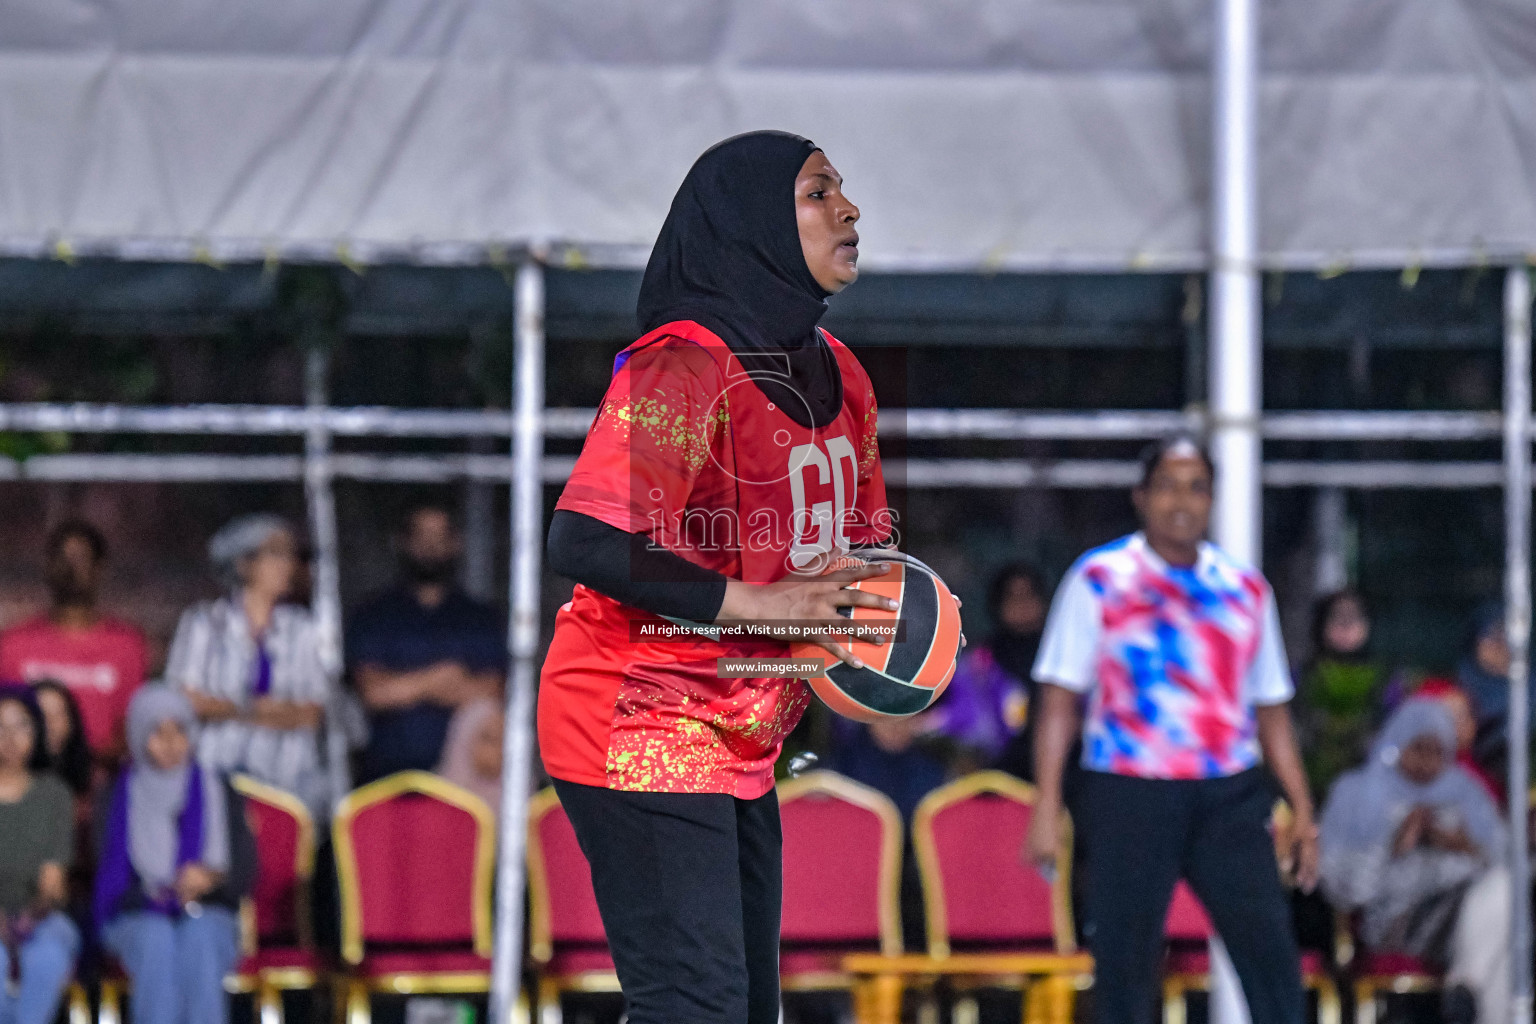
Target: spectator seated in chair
x=38 y=943
x=174 y=859
x=1414 y=845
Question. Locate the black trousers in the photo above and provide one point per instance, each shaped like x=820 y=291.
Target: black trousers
x=690 y=887
x=1142 y=836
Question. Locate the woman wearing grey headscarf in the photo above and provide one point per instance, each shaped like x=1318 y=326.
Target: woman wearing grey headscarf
x=174 y=859
x=251 y=665
x=1416 y=846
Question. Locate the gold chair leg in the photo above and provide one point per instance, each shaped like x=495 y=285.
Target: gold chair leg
x=1328 y=1009
x=79 y=1005
x=886 y=1004
x=1034 y=1001
x=269 y=1003
x=549 y=1002
x=1063 y=999
x=358 y=1009
x=1365 y=1003
x=111 y=1004
x=1174 y=1008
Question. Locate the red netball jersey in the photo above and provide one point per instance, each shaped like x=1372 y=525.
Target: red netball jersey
x=688 y=449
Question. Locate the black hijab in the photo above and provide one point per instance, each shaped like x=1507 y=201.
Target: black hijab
x=729 y=259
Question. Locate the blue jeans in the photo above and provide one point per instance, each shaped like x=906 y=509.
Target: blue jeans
x=47 y=962
x=176 y=965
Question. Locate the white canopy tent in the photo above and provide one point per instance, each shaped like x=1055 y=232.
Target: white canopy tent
x=1003 y=134
x=978 y=135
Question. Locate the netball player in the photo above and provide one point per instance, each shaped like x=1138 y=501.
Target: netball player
x=733 y=452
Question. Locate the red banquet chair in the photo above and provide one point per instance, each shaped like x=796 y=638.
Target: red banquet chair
x=415 y=861
x=279 y=952
x=1377 y=975
x=1188 y=930
x=842 y=881
x=992 y=919
x=566 y=941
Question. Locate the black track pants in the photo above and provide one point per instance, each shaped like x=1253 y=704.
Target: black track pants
x=1142 y=836
x=689 y=886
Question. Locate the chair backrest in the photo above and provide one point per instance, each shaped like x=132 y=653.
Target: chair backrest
x=969 y=837
x=562 y=908
x=1187 y=920
x=415 y=861
x=842 y=863
x=285 y=861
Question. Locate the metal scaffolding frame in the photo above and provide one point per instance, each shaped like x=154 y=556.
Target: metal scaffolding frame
x=529 y=424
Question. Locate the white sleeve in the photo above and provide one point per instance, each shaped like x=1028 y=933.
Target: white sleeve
x=1269 y=678
x=186 y=665
x=1070 y=645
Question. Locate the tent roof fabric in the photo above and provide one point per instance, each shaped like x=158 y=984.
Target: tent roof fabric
x=976 y=134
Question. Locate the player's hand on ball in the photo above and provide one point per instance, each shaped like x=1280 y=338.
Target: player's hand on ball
x=812 y=600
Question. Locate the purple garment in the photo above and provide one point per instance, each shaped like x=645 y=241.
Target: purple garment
x=115 y=875
x=261 y=674
x=984 y=705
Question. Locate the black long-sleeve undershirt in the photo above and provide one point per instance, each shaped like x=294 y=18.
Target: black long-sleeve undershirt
x=627 y=568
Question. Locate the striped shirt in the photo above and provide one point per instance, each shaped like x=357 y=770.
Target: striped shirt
x=215 y=654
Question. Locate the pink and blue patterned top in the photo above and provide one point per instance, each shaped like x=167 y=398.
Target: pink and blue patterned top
x=1173 y=659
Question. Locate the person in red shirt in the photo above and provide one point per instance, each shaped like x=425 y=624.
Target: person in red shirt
x=732 y=457
x=101 y=660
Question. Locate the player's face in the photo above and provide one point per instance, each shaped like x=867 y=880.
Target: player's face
x=826 y=218
x=1175 y=504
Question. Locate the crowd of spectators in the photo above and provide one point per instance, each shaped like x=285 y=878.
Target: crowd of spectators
x=114 y=792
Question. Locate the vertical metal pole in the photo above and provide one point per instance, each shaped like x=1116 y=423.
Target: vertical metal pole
x=1235 y=365
x=326 y=599
x=523 y=633
x=1235 y=362
x=1517 y=623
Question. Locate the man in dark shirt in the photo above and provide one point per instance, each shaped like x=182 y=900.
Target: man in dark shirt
x=420 y=651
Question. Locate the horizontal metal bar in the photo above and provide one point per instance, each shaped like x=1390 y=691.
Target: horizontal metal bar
x=253 y=419
x=1382 y=426
x=991 y=424
x=922 y=474
x=1015 y=424
x=446 y=252
x=272 y=468
x=1384 y=475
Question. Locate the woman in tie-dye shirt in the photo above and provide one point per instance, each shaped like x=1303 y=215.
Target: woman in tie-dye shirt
x=1175 y=648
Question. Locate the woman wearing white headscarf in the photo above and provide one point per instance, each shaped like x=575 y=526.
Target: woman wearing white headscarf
x=174 y=859
x=472 y=752
x=1415 y=844
x=251 y=665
